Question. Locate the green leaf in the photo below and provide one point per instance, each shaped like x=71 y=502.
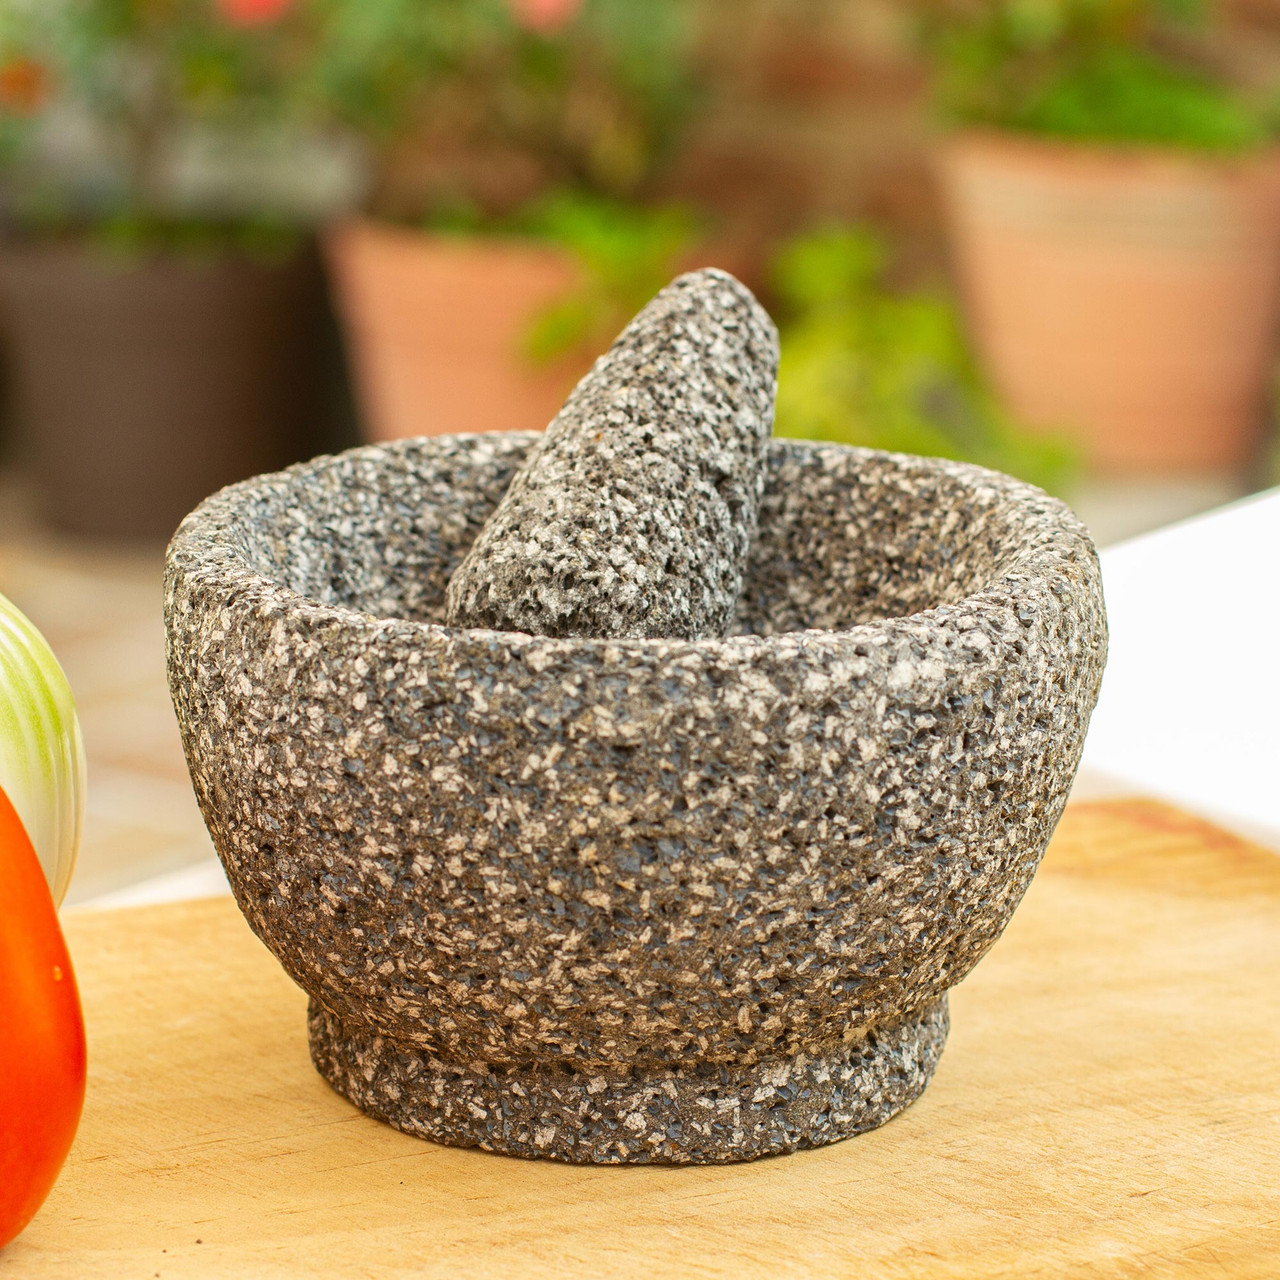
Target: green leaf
x=1109 y=71
x=864 y=365
x=625 y=254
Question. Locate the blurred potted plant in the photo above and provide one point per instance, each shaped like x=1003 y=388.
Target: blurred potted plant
x=1114 y=203
x=500 y=204
x=864 y=364
x=160 y=343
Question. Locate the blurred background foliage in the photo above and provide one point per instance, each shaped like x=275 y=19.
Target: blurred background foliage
x=534 y=95
x=129 y=81
x=789 y=140
x=518 y=99
x=866 y=365
x=624 y=254
x=1118 y=71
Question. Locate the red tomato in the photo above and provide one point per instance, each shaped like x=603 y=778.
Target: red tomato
x=42 y=1049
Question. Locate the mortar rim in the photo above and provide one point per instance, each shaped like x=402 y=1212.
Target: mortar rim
x=1000 y=594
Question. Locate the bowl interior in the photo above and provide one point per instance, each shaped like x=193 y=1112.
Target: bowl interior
x=846 y=536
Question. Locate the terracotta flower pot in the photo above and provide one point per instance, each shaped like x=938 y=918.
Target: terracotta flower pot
x=1129 y=296
x=141 y=387
x=436 y=327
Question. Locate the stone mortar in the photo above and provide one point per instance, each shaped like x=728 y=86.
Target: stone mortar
x=633 y=900
x=634 y=515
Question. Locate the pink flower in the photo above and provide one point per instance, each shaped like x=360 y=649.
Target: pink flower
x=24 y=86
x=544 y=16
x=252 y=13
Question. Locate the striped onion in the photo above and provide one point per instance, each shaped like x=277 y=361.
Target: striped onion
x=42 y=766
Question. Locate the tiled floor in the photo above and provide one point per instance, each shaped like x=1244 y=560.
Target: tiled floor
x=99 y=607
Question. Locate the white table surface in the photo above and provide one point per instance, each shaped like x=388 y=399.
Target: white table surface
x=1190 y=706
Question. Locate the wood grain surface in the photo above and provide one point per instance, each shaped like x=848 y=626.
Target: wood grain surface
x=1108 y=1105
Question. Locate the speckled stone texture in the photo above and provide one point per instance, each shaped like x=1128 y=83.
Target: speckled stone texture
x=705 y=1115
x=634 y=514
x=633 y=900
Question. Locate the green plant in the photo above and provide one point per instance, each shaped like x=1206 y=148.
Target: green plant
x=505 y=99
x=624 y=255
x=591 y=99
x=1115 y=71
x=864 y=365
x=605 y=102
x=371 y=63
x=139 y=73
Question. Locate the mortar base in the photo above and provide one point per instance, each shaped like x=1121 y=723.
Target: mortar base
x=700 y=1114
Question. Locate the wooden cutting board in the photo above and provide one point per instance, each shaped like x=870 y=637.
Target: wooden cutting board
x=1108 y=1105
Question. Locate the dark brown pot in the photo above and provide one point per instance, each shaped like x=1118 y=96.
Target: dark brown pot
x=140 y=387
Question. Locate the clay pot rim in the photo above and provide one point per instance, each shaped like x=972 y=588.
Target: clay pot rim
x=1121 y=157
x=1022 y=576
x=334 y=235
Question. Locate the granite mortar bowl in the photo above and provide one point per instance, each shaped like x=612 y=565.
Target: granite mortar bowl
x=641 y=900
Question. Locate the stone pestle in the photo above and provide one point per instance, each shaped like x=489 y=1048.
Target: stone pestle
x=634 y=515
